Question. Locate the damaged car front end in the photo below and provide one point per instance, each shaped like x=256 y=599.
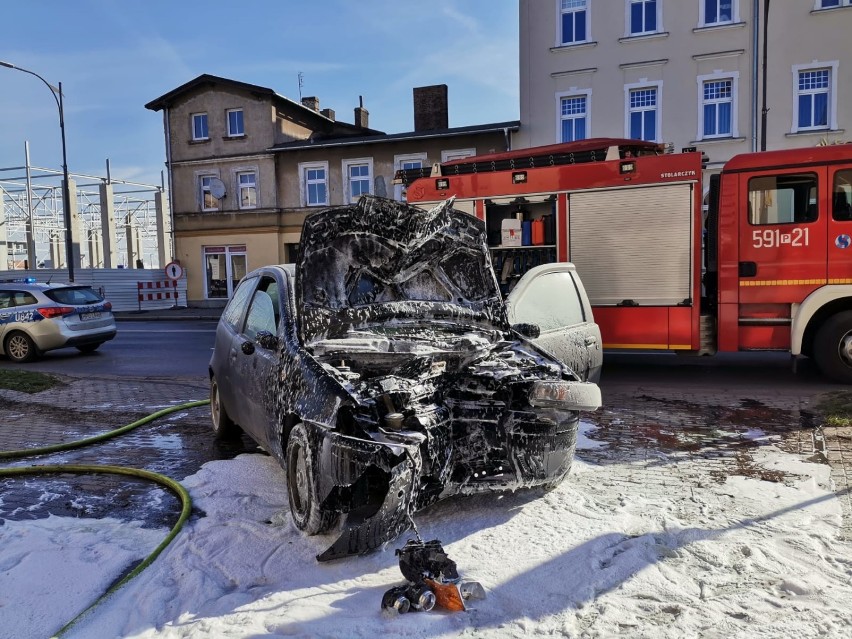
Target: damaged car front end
x=405 y=383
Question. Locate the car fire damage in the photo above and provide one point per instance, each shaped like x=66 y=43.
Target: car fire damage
x=398 y=380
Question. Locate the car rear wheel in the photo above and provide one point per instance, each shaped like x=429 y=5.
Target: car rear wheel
x=301 y=490
x=89 y=348
x=20 y=347
x=223 y=426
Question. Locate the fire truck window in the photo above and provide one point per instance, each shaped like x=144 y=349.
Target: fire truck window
x=842 y=196
x=551 y=301
x=783 y=199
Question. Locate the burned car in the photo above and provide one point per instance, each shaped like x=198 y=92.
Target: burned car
x=382 y=373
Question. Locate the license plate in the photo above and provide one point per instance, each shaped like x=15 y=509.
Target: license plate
x=90 y=316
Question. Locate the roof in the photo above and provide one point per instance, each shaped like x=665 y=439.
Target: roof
x=204 y=81
x=357 y=140
x=787 y=157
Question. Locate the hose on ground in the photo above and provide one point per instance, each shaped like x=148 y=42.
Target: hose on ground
x=167 y=482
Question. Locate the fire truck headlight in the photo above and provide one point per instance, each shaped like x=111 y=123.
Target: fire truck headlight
x=566 y=395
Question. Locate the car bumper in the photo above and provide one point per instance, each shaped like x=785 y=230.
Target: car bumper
x=49 y=335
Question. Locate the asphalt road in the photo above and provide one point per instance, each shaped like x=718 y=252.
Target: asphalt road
x=140 y=349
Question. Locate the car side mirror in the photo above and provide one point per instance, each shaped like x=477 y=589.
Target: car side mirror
x=267 y=340
x=527 y=330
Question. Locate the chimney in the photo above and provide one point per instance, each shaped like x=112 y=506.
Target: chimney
x=329 y=113
x=362 y=116
x=311 y=102
x=430 y=108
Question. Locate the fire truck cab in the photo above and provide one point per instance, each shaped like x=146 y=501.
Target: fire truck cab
x=766 y=264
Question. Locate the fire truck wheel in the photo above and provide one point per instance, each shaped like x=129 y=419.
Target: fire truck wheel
x=833 y=347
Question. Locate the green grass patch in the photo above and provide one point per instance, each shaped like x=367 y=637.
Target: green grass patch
x=836 y=408
x=27 y=381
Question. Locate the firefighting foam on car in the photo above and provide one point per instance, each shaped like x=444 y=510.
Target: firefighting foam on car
x=392 y=377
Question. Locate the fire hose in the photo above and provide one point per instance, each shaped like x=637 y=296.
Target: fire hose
x=167 y=482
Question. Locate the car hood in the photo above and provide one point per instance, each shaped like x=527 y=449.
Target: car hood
x=381 y=262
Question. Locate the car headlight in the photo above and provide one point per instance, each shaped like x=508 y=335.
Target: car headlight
x=566 y=395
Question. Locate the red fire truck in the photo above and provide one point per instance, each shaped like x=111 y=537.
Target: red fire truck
x=765 y=265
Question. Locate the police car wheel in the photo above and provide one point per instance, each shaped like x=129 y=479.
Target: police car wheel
x=20 y=347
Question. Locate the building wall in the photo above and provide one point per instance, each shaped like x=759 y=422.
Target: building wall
x=676 y=59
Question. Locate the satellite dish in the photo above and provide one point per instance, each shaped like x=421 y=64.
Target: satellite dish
x=217 y=188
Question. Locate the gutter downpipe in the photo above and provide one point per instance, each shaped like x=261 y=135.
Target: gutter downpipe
x=754 y=69
x=167 y=129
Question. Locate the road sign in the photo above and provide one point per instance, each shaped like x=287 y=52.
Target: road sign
x=174 y=271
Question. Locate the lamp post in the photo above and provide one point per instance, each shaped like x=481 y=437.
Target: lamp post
x=66 y=193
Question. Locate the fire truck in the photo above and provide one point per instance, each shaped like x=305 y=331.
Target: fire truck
x=755 y=258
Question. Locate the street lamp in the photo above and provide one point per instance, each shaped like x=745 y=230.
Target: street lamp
x=66 y=194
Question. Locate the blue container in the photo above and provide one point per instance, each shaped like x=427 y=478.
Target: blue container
x=526 y=233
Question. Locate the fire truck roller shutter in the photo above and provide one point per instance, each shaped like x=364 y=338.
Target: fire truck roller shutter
x=633 y=243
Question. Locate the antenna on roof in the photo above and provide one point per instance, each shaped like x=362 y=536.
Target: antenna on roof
x=301 y=83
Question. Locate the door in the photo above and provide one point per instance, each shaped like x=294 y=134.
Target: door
x=256 y=360
x=840 y=228
x=553 y=298
x=224 y=267
x=782 y=251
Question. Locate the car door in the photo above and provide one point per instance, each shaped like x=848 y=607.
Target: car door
x=6 y=311
x=553 y=298
x=256 y=353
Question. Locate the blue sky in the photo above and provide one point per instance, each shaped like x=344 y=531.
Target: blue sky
x=114 y=57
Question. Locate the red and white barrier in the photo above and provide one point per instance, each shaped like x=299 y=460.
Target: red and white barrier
x=161 y=290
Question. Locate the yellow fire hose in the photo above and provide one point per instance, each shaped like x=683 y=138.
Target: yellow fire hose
x=167 y=482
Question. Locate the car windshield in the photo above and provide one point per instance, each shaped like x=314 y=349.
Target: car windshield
x=74 y=295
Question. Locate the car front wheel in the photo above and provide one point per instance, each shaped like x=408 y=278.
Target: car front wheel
x=20 y=347
x=833 y=348
x=304 y=505
x=223 y=426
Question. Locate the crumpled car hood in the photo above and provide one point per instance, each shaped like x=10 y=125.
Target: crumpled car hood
x=380 y=261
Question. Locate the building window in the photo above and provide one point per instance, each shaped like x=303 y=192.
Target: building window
x=716 y=12
x=643 y=17
x=359 y=176
x=247 y=186
x=235 y=123
x=830 y=4
x=208 y=200
x=199 y=126
x=813 y=99
x=314 y=184
x=405 y=163
x=574 y=18
x=718 y=103
x=456 y=154
x=573 y=117
x=224 y=267
x=643 y=113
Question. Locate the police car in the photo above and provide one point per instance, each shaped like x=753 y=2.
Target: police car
x=38 y=317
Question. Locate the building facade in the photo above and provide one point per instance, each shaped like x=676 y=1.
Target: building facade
x=686 y=72
x=246 y=165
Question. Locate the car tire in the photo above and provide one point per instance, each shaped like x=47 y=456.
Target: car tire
x=223 y=426
x=89 y=348
x=19 y=347
x=833 y=347
x=307 y=514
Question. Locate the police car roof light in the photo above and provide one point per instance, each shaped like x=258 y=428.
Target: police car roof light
x=24 y=280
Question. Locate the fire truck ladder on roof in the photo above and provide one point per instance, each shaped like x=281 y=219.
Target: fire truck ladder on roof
x=584 y=151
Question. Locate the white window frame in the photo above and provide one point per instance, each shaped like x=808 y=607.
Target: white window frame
x=573 y=93
x=559 y=41
x=232 y=134
x=832 y=67
x=192 y=126
x=734 y=77
x=818 y=5
x=628 y=33
x=239 y=189
x=702 y=18
x=398 y=161
x=304 y=167
x=456 y=154
x=202 y=189
x=644 y=84
x=347 y=179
